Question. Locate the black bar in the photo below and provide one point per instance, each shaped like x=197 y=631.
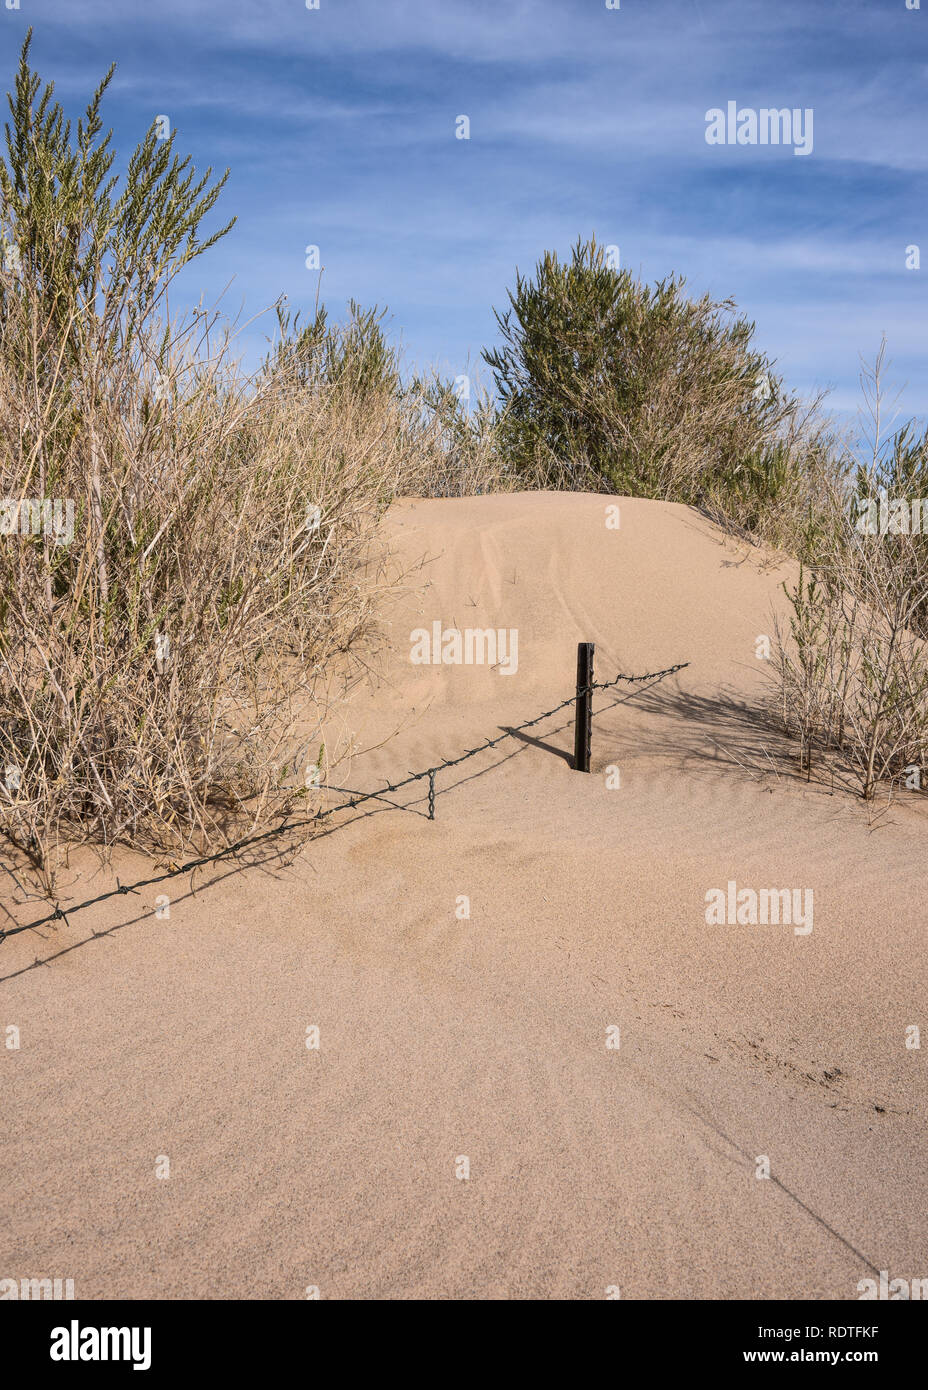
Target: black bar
x=583 y=727
x=223 y=1337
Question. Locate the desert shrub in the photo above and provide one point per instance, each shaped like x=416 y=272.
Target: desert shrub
x=353 y=358
x=183 y=548
x=853 y=671
x=853 y=665
x=462 y=449
x=454 y=445
x=612 y=385
x=890 y=486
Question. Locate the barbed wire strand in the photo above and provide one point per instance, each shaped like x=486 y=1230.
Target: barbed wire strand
x=60 y=914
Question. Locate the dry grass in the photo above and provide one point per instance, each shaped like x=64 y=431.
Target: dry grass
x=853 y=667
x=221 y=526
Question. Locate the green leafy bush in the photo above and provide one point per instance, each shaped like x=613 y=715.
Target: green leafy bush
x=612 y=385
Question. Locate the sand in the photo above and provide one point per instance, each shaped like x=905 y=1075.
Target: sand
x=445 y=1038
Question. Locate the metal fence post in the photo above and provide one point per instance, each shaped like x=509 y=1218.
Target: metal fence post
x=583 y=725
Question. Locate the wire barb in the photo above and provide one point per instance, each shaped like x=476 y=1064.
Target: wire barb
x=428 y=772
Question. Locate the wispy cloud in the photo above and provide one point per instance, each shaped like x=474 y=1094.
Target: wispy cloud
x=339 y=127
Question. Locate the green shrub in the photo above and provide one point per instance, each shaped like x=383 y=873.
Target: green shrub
x=611 y=385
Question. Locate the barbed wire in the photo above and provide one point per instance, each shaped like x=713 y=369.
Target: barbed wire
x=60 y=914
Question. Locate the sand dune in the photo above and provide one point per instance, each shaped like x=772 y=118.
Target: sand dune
x=443 y=1038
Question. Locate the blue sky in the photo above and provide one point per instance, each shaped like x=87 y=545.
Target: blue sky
x=338 y=125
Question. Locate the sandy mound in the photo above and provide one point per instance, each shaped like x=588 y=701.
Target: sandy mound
x=446 y=1037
